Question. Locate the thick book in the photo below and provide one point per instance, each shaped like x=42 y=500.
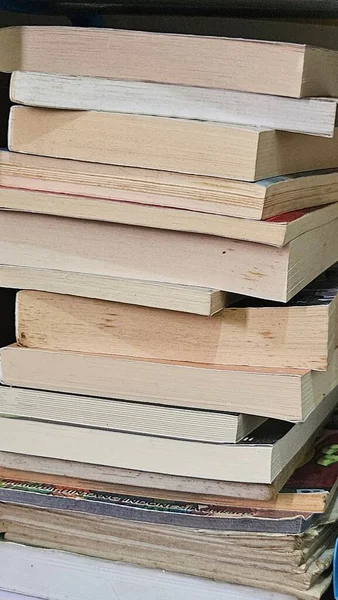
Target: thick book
x=300 y=335
x=133 y=417
x=259 y=458
x=161 y=189
x=297 y=563
x=287 y=394
x=148 y=510
x=215 y=62
x=311 y=488
x=57 y=573
x=274 y=231
x=316 y=116
x=179 y=145
x=111 y=249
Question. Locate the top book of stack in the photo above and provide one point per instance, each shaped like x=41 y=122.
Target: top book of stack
x=275 y=68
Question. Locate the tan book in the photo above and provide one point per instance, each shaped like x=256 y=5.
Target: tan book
x=300 y=336
x=114 y=250
x=265 y=67
x=281 y=394
x=316 y=116
x=207 y=195
x=181 y=145
x=118 y=415
x=260 y=458
x=276 y=231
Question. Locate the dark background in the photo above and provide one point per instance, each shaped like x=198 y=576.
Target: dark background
x=303 y=32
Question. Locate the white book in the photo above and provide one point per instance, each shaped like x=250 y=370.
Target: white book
x=57 y=575
x=12 y=596
x=316 y=116
x=133 y=417
x=156 y=294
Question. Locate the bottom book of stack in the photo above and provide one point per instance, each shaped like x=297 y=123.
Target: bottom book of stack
x=56 y=575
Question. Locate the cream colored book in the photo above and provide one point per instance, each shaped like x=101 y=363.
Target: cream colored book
x=265 y=67
x=302 y=335
x=277 y=231
x=129 y=417
x=260 y=458
x=197 y=300
x=114 y=250
x=143 y=483
x=181 y=145
x=287 y=394
x=259 y=200
x=316 y=116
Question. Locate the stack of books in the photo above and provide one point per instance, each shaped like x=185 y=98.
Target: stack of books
x=169 y=217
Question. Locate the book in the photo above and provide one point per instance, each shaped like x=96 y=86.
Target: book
x=301 y=335
x=236 y=64
x=259 y=458
x=316 y=116
x=111 y=249
x=56 y=573
x=318 y=475
x=133 y=417
x=296 y=564
x=311 y=488
x=287 y=394
x=181 y=145
x=298 y=547
x=212 y=195
x=274 y=231
x=148 y=510
x=135 y=482
x=197 y=300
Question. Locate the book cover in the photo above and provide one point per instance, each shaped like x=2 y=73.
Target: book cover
x=320 y=471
